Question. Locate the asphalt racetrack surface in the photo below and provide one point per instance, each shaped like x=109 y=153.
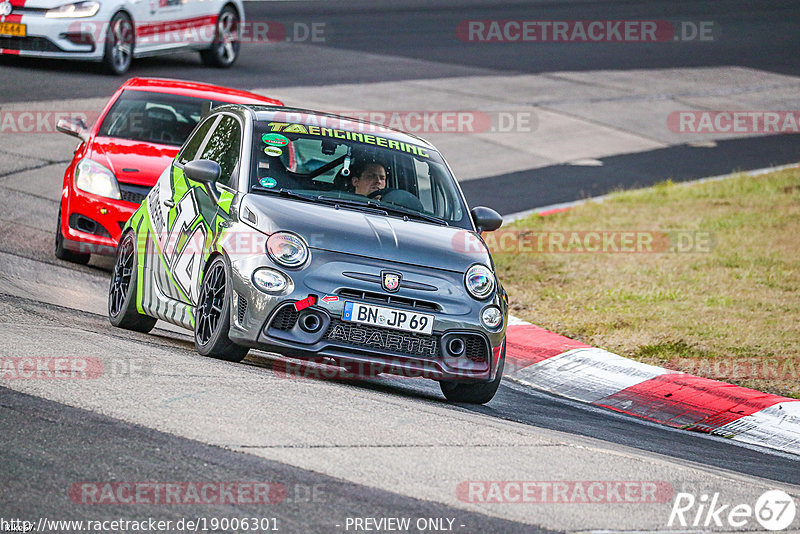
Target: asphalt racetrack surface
x=366 y=41
x=372 y=42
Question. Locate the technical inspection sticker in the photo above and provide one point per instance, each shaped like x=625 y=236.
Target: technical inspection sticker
x=275 y=139
x=272 y=151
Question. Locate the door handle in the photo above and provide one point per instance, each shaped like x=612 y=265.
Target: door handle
x=168 y=203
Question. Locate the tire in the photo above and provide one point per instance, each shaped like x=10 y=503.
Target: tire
x=475 y=393
x=64 y=254
x=119 y=45
x=224 y=50
x=122 y=311
x=212 y=316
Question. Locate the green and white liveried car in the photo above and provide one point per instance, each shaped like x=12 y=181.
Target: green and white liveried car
x=317 y=236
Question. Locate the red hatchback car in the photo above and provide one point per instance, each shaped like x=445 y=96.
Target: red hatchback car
x=121 y=157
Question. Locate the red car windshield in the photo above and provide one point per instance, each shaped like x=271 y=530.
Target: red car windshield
x=154 y=117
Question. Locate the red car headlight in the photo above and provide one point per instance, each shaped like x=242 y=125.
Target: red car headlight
x=94 y=178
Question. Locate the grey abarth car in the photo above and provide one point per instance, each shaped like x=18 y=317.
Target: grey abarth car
x=317 y=236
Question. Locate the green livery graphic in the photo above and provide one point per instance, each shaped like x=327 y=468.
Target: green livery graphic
x=176 y=229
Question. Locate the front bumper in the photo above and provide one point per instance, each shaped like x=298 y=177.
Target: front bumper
x=80 y=38
x=269 y=322
x=93 y=224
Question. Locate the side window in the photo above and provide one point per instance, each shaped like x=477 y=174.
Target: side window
x=223 y=147
x=193 y=145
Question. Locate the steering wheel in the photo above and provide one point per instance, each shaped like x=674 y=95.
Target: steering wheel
x=379 y=192
x=403 y=198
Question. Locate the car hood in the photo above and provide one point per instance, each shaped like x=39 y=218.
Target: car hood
x=364 y=234
x=133 y=162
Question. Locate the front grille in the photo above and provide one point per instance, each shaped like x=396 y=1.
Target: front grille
x=29 y=44
x=476 y=349
x=133 y=193
x=132 y=197
x=383 y=338
x=285 y=319
x=242 y=309
x=392 y=300
x=20 y=10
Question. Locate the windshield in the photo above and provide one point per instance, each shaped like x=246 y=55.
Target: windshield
x=154 y=117
x=369 y=171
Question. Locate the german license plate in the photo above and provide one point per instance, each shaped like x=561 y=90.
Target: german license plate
x=407 y=321
x=12 y=29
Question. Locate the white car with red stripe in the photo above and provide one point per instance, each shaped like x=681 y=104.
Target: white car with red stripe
x=116 y=31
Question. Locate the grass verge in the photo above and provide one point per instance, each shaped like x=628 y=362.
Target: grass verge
x=708 y=282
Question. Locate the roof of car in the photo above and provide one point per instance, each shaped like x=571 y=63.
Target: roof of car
x=310 y=117
x=199 y=90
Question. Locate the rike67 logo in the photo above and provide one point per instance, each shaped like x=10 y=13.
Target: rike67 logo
x=774 y=510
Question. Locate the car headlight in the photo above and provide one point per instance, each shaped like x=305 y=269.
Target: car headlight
x=77 y=10
x=270 y=280
x=93 y=178
x=287 y=249
x=491 y=317
x=479 y=281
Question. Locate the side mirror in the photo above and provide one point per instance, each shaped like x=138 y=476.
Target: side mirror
x=74 y=127
x=206 y=172
x=486 y=219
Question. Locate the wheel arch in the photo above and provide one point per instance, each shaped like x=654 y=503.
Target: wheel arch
x=211 y=257
x=128 y=13
x=121 y=10
x=239 y=12
x=213 y=254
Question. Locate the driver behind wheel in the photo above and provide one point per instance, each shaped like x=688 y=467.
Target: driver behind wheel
x=368 y=177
